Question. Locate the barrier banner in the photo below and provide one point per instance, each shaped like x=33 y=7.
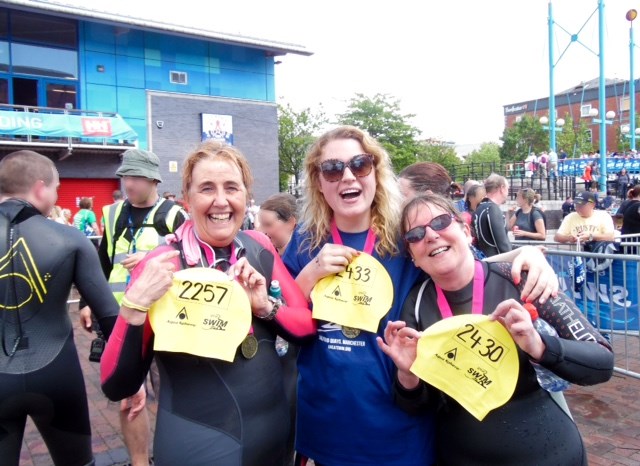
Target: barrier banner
x=575 y=167
x=611 y=302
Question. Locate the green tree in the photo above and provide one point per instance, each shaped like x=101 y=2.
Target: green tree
x=574 y=137
x=489 y=152
x=296 y=133
x=381 y=117
x=443 y=154
x=523 y=137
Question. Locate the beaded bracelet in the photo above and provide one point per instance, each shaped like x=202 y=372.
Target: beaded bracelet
x=131 y=305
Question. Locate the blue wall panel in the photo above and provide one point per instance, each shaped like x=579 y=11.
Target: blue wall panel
x=101 y=98
x=176 y=49
x=129 y=42
x=99 y=37
x=130 y=71
x=132 y=103
x=107 y=62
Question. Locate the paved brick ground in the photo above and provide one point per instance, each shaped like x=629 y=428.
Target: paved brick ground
x=608 y=415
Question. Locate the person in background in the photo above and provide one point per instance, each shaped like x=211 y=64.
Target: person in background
x=585 y=224
x=278 y=217
x=85 y=219
x=587 y=176
x=622 y=183
x=210 y=411
x=528 y=221
x=631 y=219
x=488 y=219
x=168 y=195
x=351 y=205
x=422 y=177
x=472 y=200
x=117 y=195
x=578 y=354
x=56 y=214
x=568 y=206
x=134 y=227
x=40 y=374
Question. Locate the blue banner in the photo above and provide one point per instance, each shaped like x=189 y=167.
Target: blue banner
x=611 y=303
x=61 y=125
x=575 y=167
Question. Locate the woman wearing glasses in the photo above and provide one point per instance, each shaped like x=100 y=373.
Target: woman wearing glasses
x=438 y=241
x=223 y=399
x=346 y=413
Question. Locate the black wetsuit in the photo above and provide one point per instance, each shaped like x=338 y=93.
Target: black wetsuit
x=40 y=372
x=530 y=429
x=490 y=228
x=213 y=412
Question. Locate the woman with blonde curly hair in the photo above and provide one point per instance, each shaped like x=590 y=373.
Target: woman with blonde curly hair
x=351 y=213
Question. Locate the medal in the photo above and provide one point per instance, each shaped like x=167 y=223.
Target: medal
x=350 y=332
x=249 y=346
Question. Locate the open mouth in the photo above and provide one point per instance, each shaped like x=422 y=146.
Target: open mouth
x=350 y=193
x=220 y=218
x=437 y=252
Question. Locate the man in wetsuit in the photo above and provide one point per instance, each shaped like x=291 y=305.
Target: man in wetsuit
x=40 y=374
x=132 y=228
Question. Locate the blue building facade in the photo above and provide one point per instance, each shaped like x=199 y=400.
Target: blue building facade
x=162 y=79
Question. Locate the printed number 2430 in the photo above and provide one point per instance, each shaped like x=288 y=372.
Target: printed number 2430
x=487 y=346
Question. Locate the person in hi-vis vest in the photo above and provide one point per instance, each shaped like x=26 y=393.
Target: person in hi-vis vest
x=132 y=228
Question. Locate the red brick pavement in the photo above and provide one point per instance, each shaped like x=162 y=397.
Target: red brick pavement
x=606 y=414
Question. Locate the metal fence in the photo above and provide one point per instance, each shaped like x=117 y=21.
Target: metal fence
x=608 y=296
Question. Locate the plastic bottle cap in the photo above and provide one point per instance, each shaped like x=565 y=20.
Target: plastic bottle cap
x=275 y=284
x=533 y=312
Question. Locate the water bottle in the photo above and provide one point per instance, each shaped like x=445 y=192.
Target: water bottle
x=547 y=379
x=282 y=345
x=274 y=289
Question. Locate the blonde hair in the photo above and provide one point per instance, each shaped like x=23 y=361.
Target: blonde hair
x=211 y=150
x=317 y=214
x=528 y=195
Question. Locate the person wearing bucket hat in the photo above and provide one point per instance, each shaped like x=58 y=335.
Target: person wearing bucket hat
x=132 y=228
x=586 y=223
x=480 y=296
x=142 y=163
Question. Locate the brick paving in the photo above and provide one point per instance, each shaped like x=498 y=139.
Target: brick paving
x=607 y=416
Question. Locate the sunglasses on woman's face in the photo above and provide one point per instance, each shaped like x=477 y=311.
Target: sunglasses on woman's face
x=437 y=224
x=333 y=169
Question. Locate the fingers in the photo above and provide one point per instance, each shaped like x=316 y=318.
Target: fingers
x=503 y=308
x=335 y=257
x=85 y=318
x=246 y=275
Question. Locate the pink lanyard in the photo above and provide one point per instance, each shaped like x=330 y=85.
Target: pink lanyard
x=369 y=243
x=478 y=294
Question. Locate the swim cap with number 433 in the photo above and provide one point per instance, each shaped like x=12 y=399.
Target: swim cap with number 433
x=472 y=359
x=358 y=297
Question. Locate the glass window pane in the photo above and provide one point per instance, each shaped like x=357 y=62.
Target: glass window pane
x=4 y=91
x=41 y=29
x=4 y=56
x=59 y=95
x=44 y=61
x=4 y=23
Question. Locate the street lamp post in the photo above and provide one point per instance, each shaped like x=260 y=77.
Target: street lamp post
x=631 y=15
x=603 y=122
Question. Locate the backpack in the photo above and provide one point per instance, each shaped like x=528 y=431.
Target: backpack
x=543 y=159
x=159 y=220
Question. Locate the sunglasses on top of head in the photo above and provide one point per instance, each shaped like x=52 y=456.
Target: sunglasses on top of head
x=333 y=169
x=418 y=233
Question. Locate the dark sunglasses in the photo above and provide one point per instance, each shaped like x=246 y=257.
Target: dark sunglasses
x=333 y=169
x=437 y=224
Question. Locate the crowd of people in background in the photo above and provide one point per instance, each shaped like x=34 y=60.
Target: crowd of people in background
x=292 y=376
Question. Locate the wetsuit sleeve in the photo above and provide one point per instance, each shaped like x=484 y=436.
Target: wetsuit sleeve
x=93 y=286
x=422 y=398
x=128 y=354
x=294 y=319
x=580 y=354
x=497 y=227
x=126 y=359
x=105 y=264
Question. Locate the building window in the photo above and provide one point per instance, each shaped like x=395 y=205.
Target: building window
x=178 y=77
x=35 y=28
x=589 y=135
x=625 y=104
x=584 y=110
x=518 y=118
x=44 y=61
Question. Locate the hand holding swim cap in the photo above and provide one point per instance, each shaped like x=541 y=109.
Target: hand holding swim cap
x=517 y=320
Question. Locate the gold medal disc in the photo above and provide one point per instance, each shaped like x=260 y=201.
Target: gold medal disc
x=350 y=332
x=249 y=346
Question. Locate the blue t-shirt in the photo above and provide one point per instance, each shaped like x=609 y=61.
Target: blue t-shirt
x=346 y=411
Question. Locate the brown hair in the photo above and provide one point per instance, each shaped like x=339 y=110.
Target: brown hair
x=213 y=150
x=20 y=170
x=283 y=204
x=427 y=176
x=85 y=203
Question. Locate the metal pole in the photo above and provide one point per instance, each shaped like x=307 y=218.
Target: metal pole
x=632 y=89
x=602 y=103
x=552 y=94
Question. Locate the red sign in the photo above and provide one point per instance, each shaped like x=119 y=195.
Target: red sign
x=96 y=127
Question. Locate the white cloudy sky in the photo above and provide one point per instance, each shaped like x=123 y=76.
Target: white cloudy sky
x=452 y=63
